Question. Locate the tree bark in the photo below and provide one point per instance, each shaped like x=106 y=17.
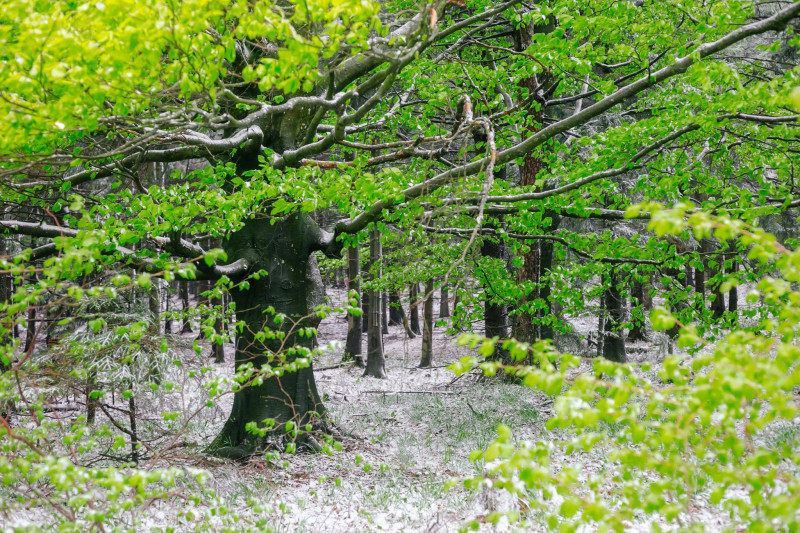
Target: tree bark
x=637 y=332
x=526 y=324
x=546 y=252
x=413 y=293
x=733 y=295
x=427 y=327
x=395 y=309
x=168 y=316
x=183 y=287
x=352 y=350
x=613 y=338
x=384 y=313
x=217 y=348
x=444 y=303
x=376 y=364
x=716 y=296
x=281 y=249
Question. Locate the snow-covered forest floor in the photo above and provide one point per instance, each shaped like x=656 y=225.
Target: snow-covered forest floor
x=405 y=438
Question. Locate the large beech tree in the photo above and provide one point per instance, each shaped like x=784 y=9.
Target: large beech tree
x=395 y=113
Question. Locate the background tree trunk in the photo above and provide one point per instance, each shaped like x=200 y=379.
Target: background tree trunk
x=427 y=327
x=613 y=337
x=444 y=303
x=352 y=350
x=637 y=332
x=384 y=313
x=217 y=348
x=376 y=364
x=717 y=298
x=413 y=292
x=395 y=309
x=183 y=288
x=733 y=295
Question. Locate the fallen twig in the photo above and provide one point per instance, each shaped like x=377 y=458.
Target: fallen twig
x=338 y=365
x=385 y=392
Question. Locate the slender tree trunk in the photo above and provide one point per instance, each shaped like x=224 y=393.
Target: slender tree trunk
x=134 y=433
x=30 y=331
x=413 y=293
x=395 y=309
x=352 y=350
x=733 y=295
x=495 y=316
x=154 y=306
x=601 y=325
x=32 y=326
x=717 y=298
x=384 y=313
x=444 y=303
x=699 y=274
x=217 y=347
x=688 y=280
x=376 y=364
x=366 y=275
x=7 y=325
x=168 y=316
x=427 y=327
x=546 y=251
x=91 y=403
x=638 y=323
x=183 y=287
x=613 y=338
x=404 y=318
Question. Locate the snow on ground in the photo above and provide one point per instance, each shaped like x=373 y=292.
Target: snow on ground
x=405 y=438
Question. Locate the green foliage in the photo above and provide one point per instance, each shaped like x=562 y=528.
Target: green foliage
x=698 y=430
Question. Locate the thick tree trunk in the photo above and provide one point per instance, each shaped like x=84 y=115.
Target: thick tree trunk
x=376 y=364
x=413 y=293
x=427 y=327
x=525 y=324
x=444 y=303
x=282 y=250
x=613 y=338
x=352 y=350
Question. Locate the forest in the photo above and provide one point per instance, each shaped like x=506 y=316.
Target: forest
x=435 y=265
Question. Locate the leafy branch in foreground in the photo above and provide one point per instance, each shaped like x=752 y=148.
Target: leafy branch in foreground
x=698 y=430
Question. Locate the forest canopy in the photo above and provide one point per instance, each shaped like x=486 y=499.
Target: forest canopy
x=600 y=195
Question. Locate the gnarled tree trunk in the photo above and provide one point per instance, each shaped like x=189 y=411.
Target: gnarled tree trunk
x=281 y=249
